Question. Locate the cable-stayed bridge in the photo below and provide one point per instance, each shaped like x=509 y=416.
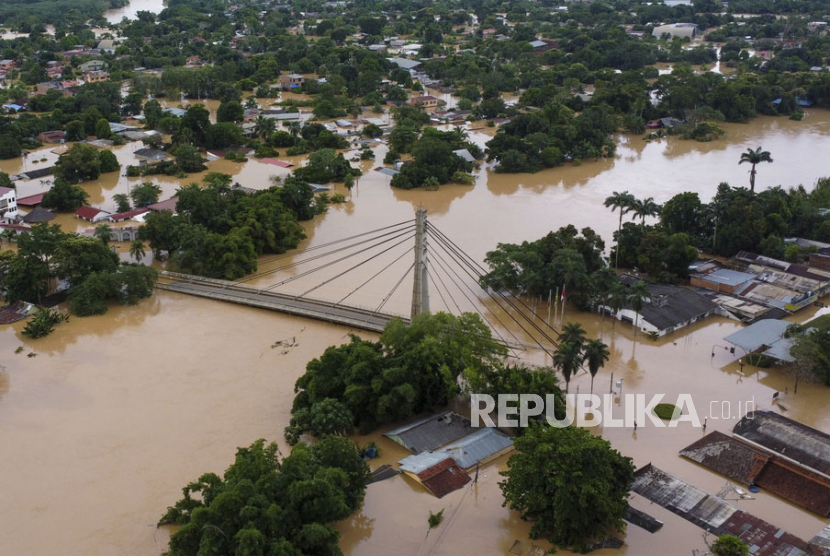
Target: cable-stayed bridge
x=440 y=271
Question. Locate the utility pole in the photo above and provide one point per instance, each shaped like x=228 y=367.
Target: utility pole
x=420 y=291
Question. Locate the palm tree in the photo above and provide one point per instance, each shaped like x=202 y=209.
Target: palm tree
x=617 y=299
x=348 y=183
x=294 y=129
x=137 y=250
x=754 y=157
x=644 y=208
x=637 y=297
x=622 y=202
x=573 y=333
x=567 y=359
x=595 y=355
x=264 y=127
x=103 y=232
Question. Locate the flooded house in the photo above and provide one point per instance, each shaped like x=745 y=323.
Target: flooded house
x=149 y=156
x=668 y=308
x=765 y=336
x=91 y=214
x=8 y=203
x=715 y=515
x=445 y=448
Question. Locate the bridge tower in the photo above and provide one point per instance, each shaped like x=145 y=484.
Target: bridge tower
x=420 y=286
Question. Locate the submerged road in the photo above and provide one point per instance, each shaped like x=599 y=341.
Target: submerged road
x=231 y=292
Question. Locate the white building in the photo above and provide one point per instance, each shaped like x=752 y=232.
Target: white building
x=668 y=308
x=8 y=203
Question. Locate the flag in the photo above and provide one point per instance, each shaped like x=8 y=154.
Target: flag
x=563 y=293
x=550 y=295
x=556 y=297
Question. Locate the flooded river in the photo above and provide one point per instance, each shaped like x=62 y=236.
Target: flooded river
x=130 y=10
x=115 y=414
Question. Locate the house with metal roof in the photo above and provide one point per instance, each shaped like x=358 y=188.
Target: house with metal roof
x=430 y=433
x=668 y=308
x=91 y=214
x=150 y=156
x=714 y=514
x=121 y=216
x=681 y=30
x=405 y=63
x=766 y=337
x=790 y=440
x=477 y=448
x=746 y=465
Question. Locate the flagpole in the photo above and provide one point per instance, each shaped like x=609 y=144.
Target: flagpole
x=550 y=295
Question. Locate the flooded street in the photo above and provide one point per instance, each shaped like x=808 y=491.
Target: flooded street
x=116 y=413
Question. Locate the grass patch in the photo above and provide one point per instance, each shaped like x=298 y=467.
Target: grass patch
x=667 y=411
x=822 y=322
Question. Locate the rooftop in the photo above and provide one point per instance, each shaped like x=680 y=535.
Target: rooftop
x=729 y=277
x=467 y=451
x=714 y=514
x=404 y=63
x=767 y=334
x=443 y=477
x=431 y=432
x=794 y=441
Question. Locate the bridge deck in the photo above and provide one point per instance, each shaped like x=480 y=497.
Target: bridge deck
x=224 y=290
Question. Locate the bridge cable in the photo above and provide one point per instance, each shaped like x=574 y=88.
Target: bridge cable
x=330 y=263
x=524 y=316
x=395 y=287
x=293 y=252
x=481 y=271
x=475 y=306
x=441 y=295
x=361 y=263
x=322 y=255
x=402 y=255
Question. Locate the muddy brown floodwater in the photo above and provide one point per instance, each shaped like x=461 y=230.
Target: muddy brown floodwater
x=114 y=414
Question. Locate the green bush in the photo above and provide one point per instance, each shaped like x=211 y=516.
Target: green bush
x=667 y=411
x=43 y=323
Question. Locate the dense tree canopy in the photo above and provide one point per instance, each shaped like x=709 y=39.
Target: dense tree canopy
x=411 y=369
x=569 y=483
x=267 y=505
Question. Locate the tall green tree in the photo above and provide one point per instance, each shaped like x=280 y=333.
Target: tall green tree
x=595 y=355
x=754 y=158
x=644 y=208
x=267 y=505
x=622 y=202
x=571 y=484
x=567 y=358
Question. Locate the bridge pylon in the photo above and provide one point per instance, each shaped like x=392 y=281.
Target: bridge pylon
x=420 y=285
